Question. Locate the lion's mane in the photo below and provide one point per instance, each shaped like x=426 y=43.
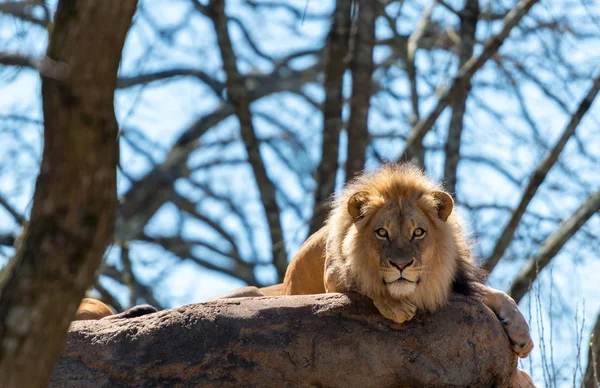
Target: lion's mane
x=451 y=265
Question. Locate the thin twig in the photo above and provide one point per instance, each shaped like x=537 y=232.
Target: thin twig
x=538 y=176
x=491 y=46
x=552 y=246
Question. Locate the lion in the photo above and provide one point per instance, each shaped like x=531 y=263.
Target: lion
x=393 y=236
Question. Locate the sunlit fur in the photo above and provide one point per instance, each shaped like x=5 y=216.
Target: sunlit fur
x=92 y=309
x=353 y=254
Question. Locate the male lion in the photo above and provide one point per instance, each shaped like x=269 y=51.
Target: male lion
x=392 y=235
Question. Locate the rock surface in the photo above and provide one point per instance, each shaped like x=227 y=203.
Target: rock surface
x=328 y=340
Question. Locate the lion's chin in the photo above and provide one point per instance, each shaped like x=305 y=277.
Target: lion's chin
x=401 y=287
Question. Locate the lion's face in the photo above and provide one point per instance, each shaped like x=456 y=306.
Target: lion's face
x=401 y=240
x=399 y=233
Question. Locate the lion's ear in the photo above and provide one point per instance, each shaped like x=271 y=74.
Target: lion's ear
x=445 y=204
x=356 y=205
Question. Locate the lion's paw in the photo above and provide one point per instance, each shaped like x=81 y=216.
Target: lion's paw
x=397 y=311
x=523 y=349
x=516 y=327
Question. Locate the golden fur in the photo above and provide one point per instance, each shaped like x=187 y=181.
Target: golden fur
x=352 y=264
x=402 y=200
x=92 y=309
x=304 y=274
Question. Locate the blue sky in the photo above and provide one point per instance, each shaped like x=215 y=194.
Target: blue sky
x=161 y=111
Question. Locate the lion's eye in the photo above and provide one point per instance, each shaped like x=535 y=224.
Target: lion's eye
x=419 y=233
x=381 y=233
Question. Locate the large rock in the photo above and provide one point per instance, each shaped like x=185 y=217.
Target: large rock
x=328 y=340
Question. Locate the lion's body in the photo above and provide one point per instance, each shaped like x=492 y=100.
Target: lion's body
x=304 y=274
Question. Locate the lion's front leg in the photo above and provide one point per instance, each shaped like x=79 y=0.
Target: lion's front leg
x=398 y=311
x=511 y=318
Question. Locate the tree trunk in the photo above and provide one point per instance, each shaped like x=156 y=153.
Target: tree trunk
x=72 y=217
x=468 y=24
x=362 y=72
x=336 y=63
x=331 y=340
x=591 y=379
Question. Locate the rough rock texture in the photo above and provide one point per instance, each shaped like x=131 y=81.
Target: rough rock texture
x=328 y=340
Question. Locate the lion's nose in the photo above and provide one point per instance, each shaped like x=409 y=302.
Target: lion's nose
x=402 y=266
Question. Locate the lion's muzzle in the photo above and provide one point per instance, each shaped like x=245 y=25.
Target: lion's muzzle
x=401 y=264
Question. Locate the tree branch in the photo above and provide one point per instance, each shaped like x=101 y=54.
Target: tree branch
x=148 y=194
x=183 y=248
x=361 y=66
x=538 y=176
x=18 y=60
x=238 y=96
x=466 y=72
x=413 y=43
x=22 y=10
x=552 y=246
x=143 y=290
x=124 y=82
x=143 y=79
x=336 y=61
x=107 y=297
x=7 y=239
x=12 y=211
x=468 y=24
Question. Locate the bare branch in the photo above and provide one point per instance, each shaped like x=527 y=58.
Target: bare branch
x=335 y=67
x=412 y=44
x=552 y=246
x=468 y=24
x=17 y=60
x=491 y=46
x=107 y=297
x=539 y=175
x=23 y=11
x=143 y=79
x=143 y=290
x=12 y=211
x=237 y=94
x=362 y=71
x=183 y=248
x=148 y=194
x=7 y=239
